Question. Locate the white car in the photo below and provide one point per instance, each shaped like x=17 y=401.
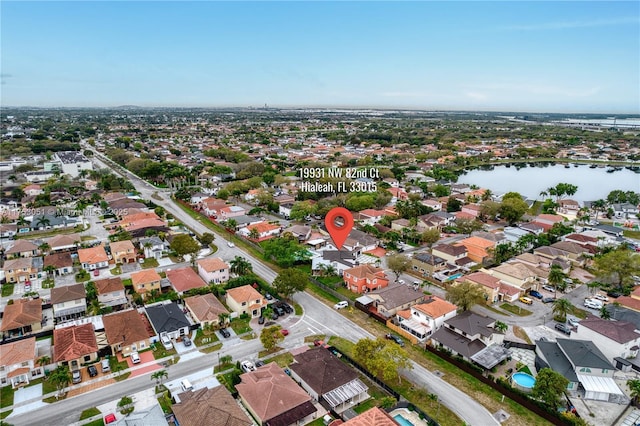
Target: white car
x=549 y=288
x=135 y=358
x=247 y=366
x=166 y=342
x=340 y=305
x=601 y=297
x=230 y=244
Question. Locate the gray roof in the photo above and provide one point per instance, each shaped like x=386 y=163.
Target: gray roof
x=472 y=323
x=556 y=360
x=245 y=219
x=621 y=313
x=71 y=157
x=582 y=353
x=457 y=342
x=491 y=356
x=167 y=318
x=149 y=416
x=608 y=229
x=428 y=258
x=397 y=295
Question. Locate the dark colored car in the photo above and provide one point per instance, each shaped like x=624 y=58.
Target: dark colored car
x=259 y=363
x=225 y=333
x=613 y=294
x=186 y=341
x=288 y=309
x=536 y=294
x=279 y=310
x=268 y=296
x=92 y=370
x=261 y=320
x=548 y=299
x=563 y=328
x=274 y=315
x=395 y=338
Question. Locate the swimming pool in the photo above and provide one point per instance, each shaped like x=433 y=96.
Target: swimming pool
x=523 y=381
x=453 y=277
x=403 y=422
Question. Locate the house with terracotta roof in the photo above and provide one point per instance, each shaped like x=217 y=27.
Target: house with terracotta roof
x=184 y=279
x=245 y=300
x=546 y=221
x=616 y=339
x=127 y=331
x=93 y=258
x=421 y=320
x=489 y=284
x=64 y=242
x=473 y=337
x=212 y=206
x=230 y=211
x=123 y=251
x=370 y=216
x=69 y=302
x=206 y=309
x=18 y=363
x=264 y=230
x=372 y=417
x=328 y=380
x=22 y=248
x=274 y=398
x=145 y=281
x=168 y=319
x=213 y=270
x=478 y=249
x=111 y=292
x=75 y=345
x=214 y=407
x=21 y=269
x=62 y=263
x=22 y=317
x=365 y=278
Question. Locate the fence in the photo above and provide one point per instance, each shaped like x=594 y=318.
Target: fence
x=328 y=289
x=509 y=344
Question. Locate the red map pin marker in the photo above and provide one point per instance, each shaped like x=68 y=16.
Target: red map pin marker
x=339 y=232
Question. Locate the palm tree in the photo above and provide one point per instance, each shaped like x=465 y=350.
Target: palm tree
x=254 y=234
x=486 y=195
x=43 y=222
x=49 y=269
x=604 y=313
x=561 y=308
x=556 y=278
x=44 y=247
x=223 y=319
x=60 y=377
x=240 y=266
x=43 y=360
x=598 y=206
x=634 y=388
x=159 y=375
x=501 y=327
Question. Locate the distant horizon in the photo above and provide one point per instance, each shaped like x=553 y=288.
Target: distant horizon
x=577 y=57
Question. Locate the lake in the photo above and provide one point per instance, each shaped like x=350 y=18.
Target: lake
x=530 y=181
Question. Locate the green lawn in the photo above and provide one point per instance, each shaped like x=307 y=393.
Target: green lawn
x=283 y=360
x=150 y=262
x=205 y=337
x=98 y=422
x=298 y=309
x=6 y=396
x=89 y=412
x=631 y=234
x=516 y=310
x=7 y=289
x=160 y=352
x=165 y=402
x=240 y=325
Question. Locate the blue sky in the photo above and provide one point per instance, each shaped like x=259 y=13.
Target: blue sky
x=523 y=56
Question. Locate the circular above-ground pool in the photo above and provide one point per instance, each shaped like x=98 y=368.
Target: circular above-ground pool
x=523 y=381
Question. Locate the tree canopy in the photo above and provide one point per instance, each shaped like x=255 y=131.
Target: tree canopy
x=183 y=244
x=398 y=263
x=381 y=357
x=290 y=281
x=550 y=387
x=618 y=267
x=465 y=295
x=271 y=336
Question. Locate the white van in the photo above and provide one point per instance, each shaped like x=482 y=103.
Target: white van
x=341 y=304
x=186 y=385
x=593 y=303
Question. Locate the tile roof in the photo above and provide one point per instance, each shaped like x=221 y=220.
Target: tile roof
x=372 y=417
x=211 y=264
x=205 y=307
x=109 y=285
x=74 y=342
x=270 y=392
x=145 y=276
x=67 y=293
x=125 y=327
x=121 y=246
x=210 y=407
x=21 y=246
x=450 y=249
x=19 y=263
x=21 y=313
x=396 y=295
x=18 y=352
x=435 y=307
x=183 y=279
x=484 y=279
x=92 y=255
x=584 y=353
x=367 y=271
x=516 y=270
x=244 y=293
x=619 y=331
x=58 y=260
x=63 y=240
x=457 y=342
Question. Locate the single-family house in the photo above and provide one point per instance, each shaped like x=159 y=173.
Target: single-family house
x=301 y=232
x=212 y=206
x=75 y=345
x=69 y=302
x=245 y=300
x=365 y=278
x=576 y=253
x=328 y=380
x=32 y=190
x=489 y=284
x=213 y=270
x=208 y=406
x=421 y=320
x=127 y=331
x=229 y=212
x=22 y=317
x=614 y=338
x=64 y=242
x=472 y=210
x=625 y=210
x=260 y=231
x=145 y=281
x=474 y=337
x=152 y=247
x=206 y=309
x=580 y=362
x=22 y=248
x=59 y=263
x=184 y=279
x=546 y=221
x=93 y=258
x=370 y=216
x=516 y=274
x=7 y=230
x=168 y=319
x=449 y=252
x=426 y=264
x=285 y=210
x=387 y=301
x=478 y=249
x=374 y=416
x=260 y=389
x=21 y=269
x=111 y=292
x=18 y=363
x=123 y=251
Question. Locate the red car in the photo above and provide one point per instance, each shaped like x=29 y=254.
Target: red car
x=284 y=332
x=109 y=418
x=96 y=273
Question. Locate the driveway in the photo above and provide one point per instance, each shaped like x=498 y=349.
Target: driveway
x=26 y=394
x=147 y=363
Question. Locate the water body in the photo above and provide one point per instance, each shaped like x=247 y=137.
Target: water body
x=593 y=183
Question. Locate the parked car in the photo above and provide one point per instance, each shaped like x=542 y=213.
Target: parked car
x=593 y=303
x=601 y=297
x=76 y=376
x=564 y=328
x=279 y=310
x=341 y=304
x=247 y=366
x=105 y=366
x=135 y=357
x=288 y=309
x=186 y=341
x=395 y=338
x=96 y=273
x=109 y=418
x=261 y=320
x=230 y=244
x=274 y=315
x=548 y=299
x=284 y=332
x=536 y=294
x=166 y=342
x=573 y=322
x=259 y=363
x=526 y=300
x=92 y=370
x=225 y=333
x=27 y=286
x=614 y=294
x=549 y=288
x=268 y=296
x=318 y=342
